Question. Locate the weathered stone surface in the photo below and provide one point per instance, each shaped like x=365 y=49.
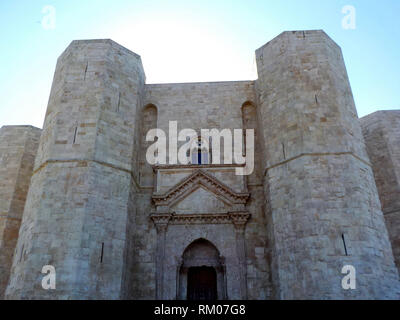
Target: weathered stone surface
x=116 y=227
x=18 y=146
x=382 y=137
x=319 y=183
x=76 y=215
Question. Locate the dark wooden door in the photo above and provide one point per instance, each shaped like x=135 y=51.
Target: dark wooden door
x=202 y=283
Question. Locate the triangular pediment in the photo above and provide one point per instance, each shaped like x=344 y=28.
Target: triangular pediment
x=190 y=184
x=201 y=200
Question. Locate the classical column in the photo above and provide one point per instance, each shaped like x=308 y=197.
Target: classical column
x=181 y=279
x=161 y=223
x=239 y=220
x=221 y=279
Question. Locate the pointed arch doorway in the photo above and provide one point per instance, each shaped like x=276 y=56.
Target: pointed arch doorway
x=202 y=273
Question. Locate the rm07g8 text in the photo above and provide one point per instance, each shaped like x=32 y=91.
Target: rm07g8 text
x=222 y=309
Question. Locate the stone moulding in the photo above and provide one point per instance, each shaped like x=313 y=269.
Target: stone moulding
x=192 y=182
x=237 y=218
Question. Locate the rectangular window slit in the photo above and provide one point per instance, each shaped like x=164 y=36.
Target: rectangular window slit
x=21 y=254
x=316 y=99
x=87 y=64
x=283 y=150
x=76 y=129
x=344 y=244
x=119 y=101
x=102 y=251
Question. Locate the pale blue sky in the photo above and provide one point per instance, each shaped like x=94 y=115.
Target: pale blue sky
x=184 y=41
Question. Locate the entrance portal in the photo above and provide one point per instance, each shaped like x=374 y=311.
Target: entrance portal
x=201 y=273
x=202 y=283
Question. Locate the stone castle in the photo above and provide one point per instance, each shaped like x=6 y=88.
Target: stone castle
x=79 y=194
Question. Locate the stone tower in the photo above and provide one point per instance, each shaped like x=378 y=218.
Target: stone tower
x=381 y=131
x=76 y=213
x=116 y=227
x=323 y=201
x=18 y=146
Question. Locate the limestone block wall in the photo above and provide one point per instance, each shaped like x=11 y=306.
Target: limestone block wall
x=78 y=205
x=258 y=248
x=148 y=121
x=382 y=137
x=18 y=146
x=199 y=106
x=323 y=202
x=207 y=105
x=142 y=251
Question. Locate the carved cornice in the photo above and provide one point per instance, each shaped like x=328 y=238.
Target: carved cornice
x=189 y=184
x=239 y=219
x=221 y=218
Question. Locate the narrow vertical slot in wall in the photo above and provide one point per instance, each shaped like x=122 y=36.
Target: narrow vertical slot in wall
x=344 y=244
x=84 y=77
x=76 y=130
x=102 y=252
x=22 y=253
x=119 y=101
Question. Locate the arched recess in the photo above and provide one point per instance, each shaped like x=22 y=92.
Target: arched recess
x=250 y=121
x=249 y=117
x=148 y=121
x=203 y=258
